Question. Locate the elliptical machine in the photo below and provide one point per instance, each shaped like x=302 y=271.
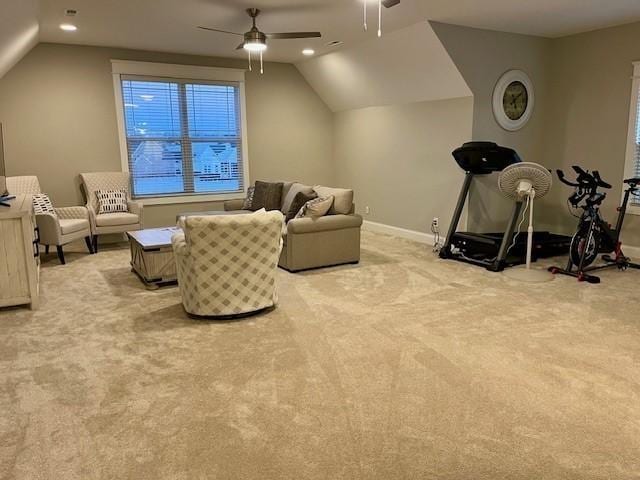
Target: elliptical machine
x=594 y=235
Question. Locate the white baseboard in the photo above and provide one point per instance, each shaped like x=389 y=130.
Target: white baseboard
x=429 y=239
x=633 y=252
x=420 y=237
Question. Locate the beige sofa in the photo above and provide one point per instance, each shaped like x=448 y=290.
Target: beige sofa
x=313 y=243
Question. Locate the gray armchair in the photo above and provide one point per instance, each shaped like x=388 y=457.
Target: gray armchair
x=110 y=222
x=65 y=226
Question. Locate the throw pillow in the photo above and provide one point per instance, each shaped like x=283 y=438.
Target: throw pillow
x=291 y=193
x=112 y=201
x=248 y=202
x=297 y=203
x=318 y=207
x=343 y=199
x=267 y=195
x=42 y=204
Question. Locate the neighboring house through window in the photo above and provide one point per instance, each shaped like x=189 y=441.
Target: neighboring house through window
x=182 y=131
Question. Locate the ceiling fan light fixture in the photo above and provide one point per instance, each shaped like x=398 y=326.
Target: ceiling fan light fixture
x=255 y=46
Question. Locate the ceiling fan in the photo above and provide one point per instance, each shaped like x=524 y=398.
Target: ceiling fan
x=255 y=41
x=381 y=3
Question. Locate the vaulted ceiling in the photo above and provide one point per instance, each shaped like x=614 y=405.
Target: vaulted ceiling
x=169 y=25
x=18 y=31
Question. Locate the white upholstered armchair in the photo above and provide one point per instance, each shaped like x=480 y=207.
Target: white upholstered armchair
x=227 y=264
x=58 y=228
x=104 y=223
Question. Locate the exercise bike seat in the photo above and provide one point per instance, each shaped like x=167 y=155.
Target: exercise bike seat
x=632 y=182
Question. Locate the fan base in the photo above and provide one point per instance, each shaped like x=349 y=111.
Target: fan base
x=533 y=275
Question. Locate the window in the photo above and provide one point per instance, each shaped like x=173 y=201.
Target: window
x=182 y=139
x=632 y=167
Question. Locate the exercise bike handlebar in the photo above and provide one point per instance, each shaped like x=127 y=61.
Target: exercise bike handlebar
x=586 y=186
x=563 y=179
x=599 y=181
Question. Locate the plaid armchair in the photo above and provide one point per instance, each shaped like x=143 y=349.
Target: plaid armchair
x=110 y=222
x=227 y=265
x=65 y=226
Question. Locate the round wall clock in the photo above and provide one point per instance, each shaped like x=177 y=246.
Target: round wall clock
x=513 y=100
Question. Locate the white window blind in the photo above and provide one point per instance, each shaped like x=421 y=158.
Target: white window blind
x=183 y=137
x=635 y=170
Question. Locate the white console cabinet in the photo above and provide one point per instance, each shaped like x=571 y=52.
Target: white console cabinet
x=19 y=256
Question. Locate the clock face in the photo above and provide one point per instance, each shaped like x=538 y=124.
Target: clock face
x=515 y=100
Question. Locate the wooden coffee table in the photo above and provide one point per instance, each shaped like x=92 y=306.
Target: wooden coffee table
x=152 y=256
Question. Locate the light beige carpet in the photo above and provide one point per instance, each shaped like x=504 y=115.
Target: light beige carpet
x=404 y=367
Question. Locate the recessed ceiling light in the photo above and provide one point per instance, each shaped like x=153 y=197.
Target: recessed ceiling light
x=68 y=27
x=308 y=52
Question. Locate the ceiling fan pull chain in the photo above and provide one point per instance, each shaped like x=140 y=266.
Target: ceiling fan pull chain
x=261 y=64
x=379 y=18
x=365 y=16
x=249 y=51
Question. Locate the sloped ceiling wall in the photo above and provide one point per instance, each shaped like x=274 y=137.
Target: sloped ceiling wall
x=19 y=31
x=405 y=66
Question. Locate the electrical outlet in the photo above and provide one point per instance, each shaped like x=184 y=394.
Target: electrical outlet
x=367 y=210
x=436 y=222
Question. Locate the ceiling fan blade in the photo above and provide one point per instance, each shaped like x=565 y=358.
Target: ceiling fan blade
x=220 y=31
x=390 y=3
x=240 y=47
x=284 y=36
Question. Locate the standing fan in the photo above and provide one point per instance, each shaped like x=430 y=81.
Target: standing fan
x=528 y=181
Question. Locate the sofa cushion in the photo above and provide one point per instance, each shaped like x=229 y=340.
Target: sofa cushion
x=318 y=207
x=342 y=199
x=288 y=194
x=248 y=201
x=116 y=219
x=298 y=202
x=267 y=195
x=73 y=225
x=285 y=188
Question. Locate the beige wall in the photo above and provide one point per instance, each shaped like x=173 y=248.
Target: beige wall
x=589 y=114
x=398 y=160
x=482 y=56
x=58 y=110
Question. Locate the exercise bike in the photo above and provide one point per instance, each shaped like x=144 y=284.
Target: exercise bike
x=594 y=235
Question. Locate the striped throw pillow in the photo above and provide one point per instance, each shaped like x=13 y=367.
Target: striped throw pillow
x=42 y=204
x=112 y=201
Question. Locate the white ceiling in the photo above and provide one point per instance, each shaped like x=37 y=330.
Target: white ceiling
x=169 y=25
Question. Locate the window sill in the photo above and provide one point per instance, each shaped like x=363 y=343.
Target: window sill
x=189 y=199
